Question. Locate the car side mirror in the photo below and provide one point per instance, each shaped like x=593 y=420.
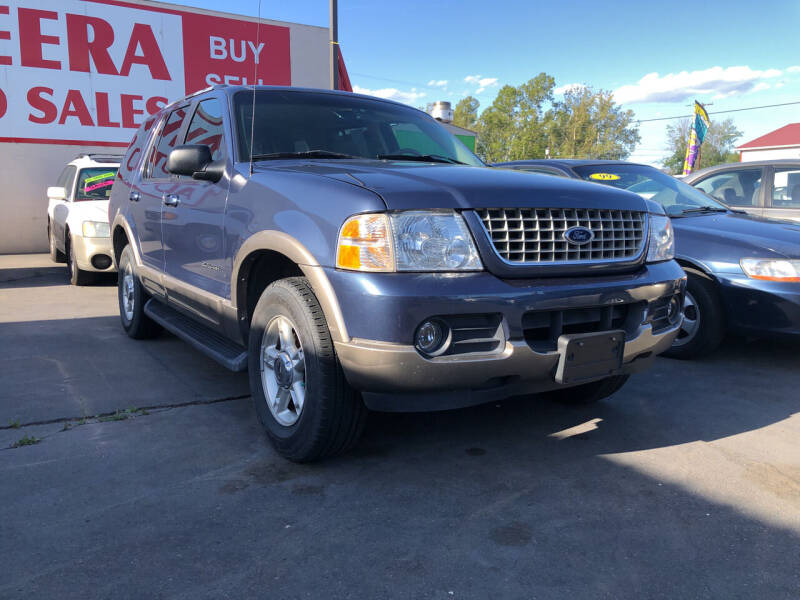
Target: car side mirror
x=56 y=193
x=195 y=161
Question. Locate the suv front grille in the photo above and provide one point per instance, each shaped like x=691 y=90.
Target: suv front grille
x=536 y=235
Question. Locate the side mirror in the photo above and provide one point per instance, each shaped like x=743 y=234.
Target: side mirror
x=195 y=161
x=188 y=159
x=56 y=193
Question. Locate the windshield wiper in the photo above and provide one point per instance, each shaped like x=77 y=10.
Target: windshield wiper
x=702 y=209
x=421 y=158
x=306 y=154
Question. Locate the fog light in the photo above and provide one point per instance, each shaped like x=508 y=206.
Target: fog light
x=101 y=261
x=674 y=310
x=430 y=338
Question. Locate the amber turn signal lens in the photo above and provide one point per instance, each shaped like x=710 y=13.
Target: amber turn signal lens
x=365 y=244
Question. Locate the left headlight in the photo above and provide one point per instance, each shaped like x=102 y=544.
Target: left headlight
x=770 y=269
x=662 y=239
x=95 y=229
x=407 y=241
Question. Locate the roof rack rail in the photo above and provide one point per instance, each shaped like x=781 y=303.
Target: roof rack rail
x=96 y=155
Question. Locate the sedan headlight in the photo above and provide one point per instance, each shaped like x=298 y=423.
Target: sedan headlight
x=407 y=241
x=662 y=239
x=771 y=269
x=95 y=229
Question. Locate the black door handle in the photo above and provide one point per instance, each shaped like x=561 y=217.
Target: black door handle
x=134 y=197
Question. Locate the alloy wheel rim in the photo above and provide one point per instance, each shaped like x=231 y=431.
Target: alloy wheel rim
x=128 y=297
x=283 y=371
x=691 y=321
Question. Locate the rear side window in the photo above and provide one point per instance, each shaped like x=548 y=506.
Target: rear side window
x=95 y=183
x=786 y=188
x=135 y=154
x=167 y=140
x=206 y=128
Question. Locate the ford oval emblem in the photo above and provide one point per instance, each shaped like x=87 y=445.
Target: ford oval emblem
x=579 y=235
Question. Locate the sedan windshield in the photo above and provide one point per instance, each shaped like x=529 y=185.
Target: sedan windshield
x=677 y=198
x=292 y=124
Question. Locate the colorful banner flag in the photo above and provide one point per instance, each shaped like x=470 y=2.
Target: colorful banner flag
x=696 y=137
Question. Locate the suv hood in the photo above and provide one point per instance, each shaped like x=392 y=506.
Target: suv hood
x=736 y=235
x=409 y=185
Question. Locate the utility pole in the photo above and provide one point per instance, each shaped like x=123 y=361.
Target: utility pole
x=334 y=44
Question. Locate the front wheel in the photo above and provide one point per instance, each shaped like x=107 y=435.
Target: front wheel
x=703 y=326
x=588 y=393
x=77 y=276
x=307 y=408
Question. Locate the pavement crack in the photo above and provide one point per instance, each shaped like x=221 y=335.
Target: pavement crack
x=111 y=416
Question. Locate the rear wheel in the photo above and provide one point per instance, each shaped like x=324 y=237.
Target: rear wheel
x=703 y=326
x=56 y=255
x=77 y=276
x=588 y=393
x=302 y=399
x=132 y=299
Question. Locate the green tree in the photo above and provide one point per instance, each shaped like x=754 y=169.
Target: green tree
x=587 y=123
x=717 y=148
x=514 y=126
x=466 y=112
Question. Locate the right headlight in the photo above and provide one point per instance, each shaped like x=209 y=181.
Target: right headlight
x=662 y=239
x=416 y=240
x=771 y=269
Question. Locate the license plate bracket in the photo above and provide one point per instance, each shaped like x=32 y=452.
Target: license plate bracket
x=588 y=356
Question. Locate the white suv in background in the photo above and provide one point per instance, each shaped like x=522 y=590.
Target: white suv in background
x=77 y=216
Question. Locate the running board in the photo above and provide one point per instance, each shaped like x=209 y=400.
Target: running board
x=227 y=353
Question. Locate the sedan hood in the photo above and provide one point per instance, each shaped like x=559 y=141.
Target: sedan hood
x=407 y=185
x=732 y=236
x=91 y=210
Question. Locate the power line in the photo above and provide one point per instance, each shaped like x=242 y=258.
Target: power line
x=719 y=112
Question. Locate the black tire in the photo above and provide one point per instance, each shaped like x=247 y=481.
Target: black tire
x=138 y=325
x=710 y=320
x=588 y=393
x=333 y=415
x=56 y=255
x=77 y=276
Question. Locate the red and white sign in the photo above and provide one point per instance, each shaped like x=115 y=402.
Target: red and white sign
x=89 y=71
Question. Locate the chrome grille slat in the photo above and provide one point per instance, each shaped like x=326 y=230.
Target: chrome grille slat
x=535 y=235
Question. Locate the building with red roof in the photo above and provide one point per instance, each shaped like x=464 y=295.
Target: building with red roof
x=781 y=143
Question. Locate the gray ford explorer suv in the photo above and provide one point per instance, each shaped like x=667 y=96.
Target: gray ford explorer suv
x=351 y=254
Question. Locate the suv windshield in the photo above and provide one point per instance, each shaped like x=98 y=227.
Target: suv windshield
x=95 y=183
x=329 y=126
x=676 y=197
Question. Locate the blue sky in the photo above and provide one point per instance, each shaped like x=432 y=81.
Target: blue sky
x=655 y=56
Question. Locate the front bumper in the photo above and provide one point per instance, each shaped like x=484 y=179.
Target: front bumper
x=382 y=312
x=87 y=249
x=757 y=307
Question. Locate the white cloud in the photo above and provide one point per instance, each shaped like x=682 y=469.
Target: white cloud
x=437 y=83
x=761 y=85
x=676 y=87
x=569 y=87
x=481 y=81
x=391 y=94
x=795 y=69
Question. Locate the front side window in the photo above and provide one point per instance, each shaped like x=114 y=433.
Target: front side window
x=66 y=179
x=296 y=123
x=167 y=140
x=206 y=128
x=734 y=188
x=95 y=183
x=677 y=198
x=786 y=188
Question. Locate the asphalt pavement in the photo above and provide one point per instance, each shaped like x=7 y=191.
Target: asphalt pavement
x=137 y=469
